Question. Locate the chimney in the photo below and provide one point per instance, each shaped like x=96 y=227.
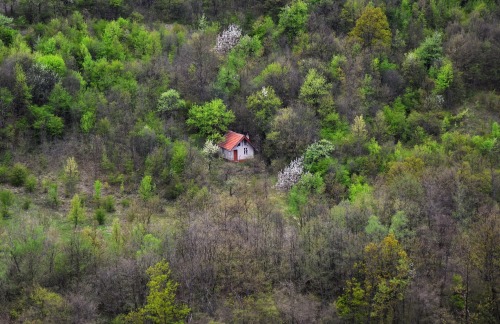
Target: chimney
x=247 y=136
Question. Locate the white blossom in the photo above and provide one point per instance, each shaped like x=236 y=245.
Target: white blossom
x=290 y=175
x=210 y=148
x=228 y=39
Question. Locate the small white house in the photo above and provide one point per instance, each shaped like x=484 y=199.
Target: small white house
x=236 y=147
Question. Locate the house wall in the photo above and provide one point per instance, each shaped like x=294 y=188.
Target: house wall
x=228 y=155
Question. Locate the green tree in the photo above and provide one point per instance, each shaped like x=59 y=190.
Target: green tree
x=6 y=200
x=170 y=103
x=293 y=18
x=444 y=78
x=71 y=175
x=77 y=211
x=146 y=188
x=431 y=49
x=383 y=276
x=161 y=306
x=53 y=62
x=315 y=92
x=97 y=190
x=264 y=104
x=372 y=28
x=211 y=119
x=22 y=92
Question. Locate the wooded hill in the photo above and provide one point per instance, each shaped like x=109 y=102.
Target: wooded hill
x=374 y=195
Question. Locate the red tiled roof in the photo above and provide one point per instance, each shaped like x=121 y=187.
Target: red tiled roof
x=231 y=139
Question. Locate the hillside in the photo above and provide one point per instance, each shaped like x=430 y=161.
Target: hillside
x=373 y=195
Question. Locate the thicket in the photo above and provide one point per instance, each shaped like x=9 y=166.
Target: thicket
x=375 y=191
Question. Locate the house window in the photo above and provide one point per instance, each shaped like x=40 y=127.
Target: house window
x=245 y=151
x=239 y=144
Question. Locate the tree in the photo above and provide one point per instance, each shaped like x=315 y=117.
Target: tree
x=77 y=211
x=264 y=104
x=22 y=92
x=170 y=103
x=372 y=28
x=382 y=279
x=228 y=39
x=315 y=92
x=211 y=119
x=293 y=18
x=161 y=306
x=71 y=175
x=146 y=188
x=290 y=175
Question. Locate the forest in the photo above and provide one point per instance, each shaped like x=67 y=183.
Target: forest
x=373 y=197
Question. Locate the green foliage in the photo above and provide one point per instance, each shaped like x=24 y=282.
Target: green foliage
x=6 y=200
x=179 y=156
x=264 y=104
x=53 y=62
x=444 y=77
x=170 y=102
x=30 y=183
x=358 y=190
x=395 y=118
x=18 y=175
x=457 y=299
x=97 y=190
x=161 y=306
x=274 y=70
x=76 y=213
x=372 y=28
x=100 y=216
x=211 y=119
x=374 y=229
x=53 y=195
x=147 y=187
x=315 y=153
x=293 y=18
x=87 y=121
x=108 y=204
x=316 y=92
x=384 y=275
x=46 y=121
x=431 y=49
x=336 y=66
x=71 y=175
x=228 y=78
x=400 y=226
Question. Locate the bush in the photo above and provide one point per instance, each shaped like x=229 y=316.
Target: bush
x=4 y=174
x=52 y=194
x=109 y=204
x=18 y=175
x=30 y=183
x=6 y=200
x=26 y=204
x=100 y=216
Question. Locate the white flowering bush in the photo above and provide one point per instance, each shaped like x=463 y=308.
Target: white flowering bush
x=228 y=39
x=210 y=148
x=290 y=175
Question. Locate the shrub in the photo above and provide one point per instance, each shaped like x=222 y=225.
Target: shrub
x=18 y=175
x=4 y=174
x=52 y=194
x=26 y=204
x=6 y=200
x=109 y=204
x=100 y=216
x=30 y=183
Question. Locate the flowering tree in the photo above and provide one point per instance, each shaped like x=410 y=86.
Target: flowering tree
x=210 y=151
x=228 y=39
x=290 y=175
